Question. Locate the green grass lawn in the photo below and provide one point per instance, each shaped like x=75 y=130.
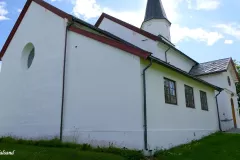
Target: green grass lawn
x=216 y=147
x=29 y=152
x=219 y=146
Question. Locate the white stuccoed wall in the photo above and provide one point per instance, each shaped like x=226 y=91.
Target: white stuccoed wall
x=158 y=27
x=225 y=109
x=103 y=95
x=158 y=49
x=231 y=88
x=180 y=61
x=30 y=100
x=103 y=102
x=171 y=125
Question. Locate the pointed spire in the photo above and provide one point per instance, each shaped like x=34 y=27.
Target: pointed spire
x=155 y=10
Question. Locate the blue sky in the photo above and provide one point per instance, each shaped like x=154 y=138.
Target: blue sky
x=203 y=29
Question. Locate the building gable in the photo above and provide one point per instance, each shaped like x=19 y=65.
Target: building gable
x=158 y=49
x=21 y=16
x=141 y=32
x=232 y=69
x=126 y=47
x=213 y=67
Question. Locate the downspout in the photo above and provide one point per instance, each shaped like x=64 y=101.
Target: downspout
x=145 y=106
x=63 y=78
x=219 y=120
x=166 y=54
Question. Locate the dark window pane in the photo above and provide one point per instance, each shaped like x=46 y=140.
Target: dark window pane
x=167 y=98
x=229 y=81
x=170 y=91
x=165 y=83
x=30 y=58
x=204 y=103
x=189 y=96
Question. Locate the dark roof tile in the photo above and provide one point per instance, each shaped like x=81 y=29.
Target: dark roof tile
x=216 y=66
x=155 y=10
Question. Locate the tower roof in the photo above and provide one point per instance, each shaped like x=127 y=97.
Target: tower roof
x=155 y=10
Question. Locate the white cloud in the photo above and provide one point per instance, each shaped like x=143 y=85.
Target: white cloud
x=87 y=8
x=3 y=11
x=91 y=9
x=55 y=0
x=203 y=4
x=232 y=29
x=171 y=8
x=228 y=41
x=19 y=10
x=207 y=4
x=183 y=33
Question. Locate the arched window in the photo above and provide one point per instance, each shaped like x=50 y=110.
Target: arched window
x=28 y=55
x=229 y=81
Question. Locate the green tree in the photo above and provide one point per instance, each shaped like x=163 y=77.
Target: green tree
x=238 y=84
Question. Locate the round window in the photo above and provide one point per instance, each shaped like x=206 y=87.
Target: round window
x=28 y=55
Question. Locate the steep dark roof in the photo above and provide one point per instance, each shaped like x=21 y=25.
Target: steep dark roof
x=155 y=10
x=216 y=66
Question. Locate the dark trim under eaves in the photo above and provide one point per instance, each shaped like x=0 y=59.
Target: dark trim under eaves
x=210 y=73
x=158 y=61
x=99 y=30
x=135 y=51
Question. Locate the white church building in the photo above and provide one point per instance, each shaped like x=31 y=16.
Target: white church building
x=110 y=84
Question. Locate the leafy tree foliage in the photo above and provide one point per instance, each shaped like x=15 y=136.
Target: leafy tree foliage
x=238 y=84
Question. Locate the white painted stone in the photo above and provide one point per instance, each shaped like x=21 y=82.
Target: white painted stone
x=171 y=125
x=224 y=99
x=103 y=95
x=30 y=99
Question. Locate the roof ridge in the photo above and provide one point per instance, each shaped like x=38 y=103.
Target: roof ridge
x=215 y=60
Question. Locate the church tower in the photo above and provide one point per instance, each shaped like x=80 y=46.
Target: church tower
x=156 y=21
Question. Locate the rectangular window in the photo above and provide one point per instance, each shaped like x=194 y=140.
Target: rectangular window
x=189 y=95
x=170 y=91
x=204 y=103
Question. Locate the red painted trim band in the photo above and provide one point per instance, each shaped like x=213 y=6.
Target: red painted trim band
x=127 y=25
x=112 y=42
x=53 y=9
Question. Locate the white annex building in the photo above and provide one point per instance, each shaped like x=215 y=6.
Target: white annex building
x=110 y=84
